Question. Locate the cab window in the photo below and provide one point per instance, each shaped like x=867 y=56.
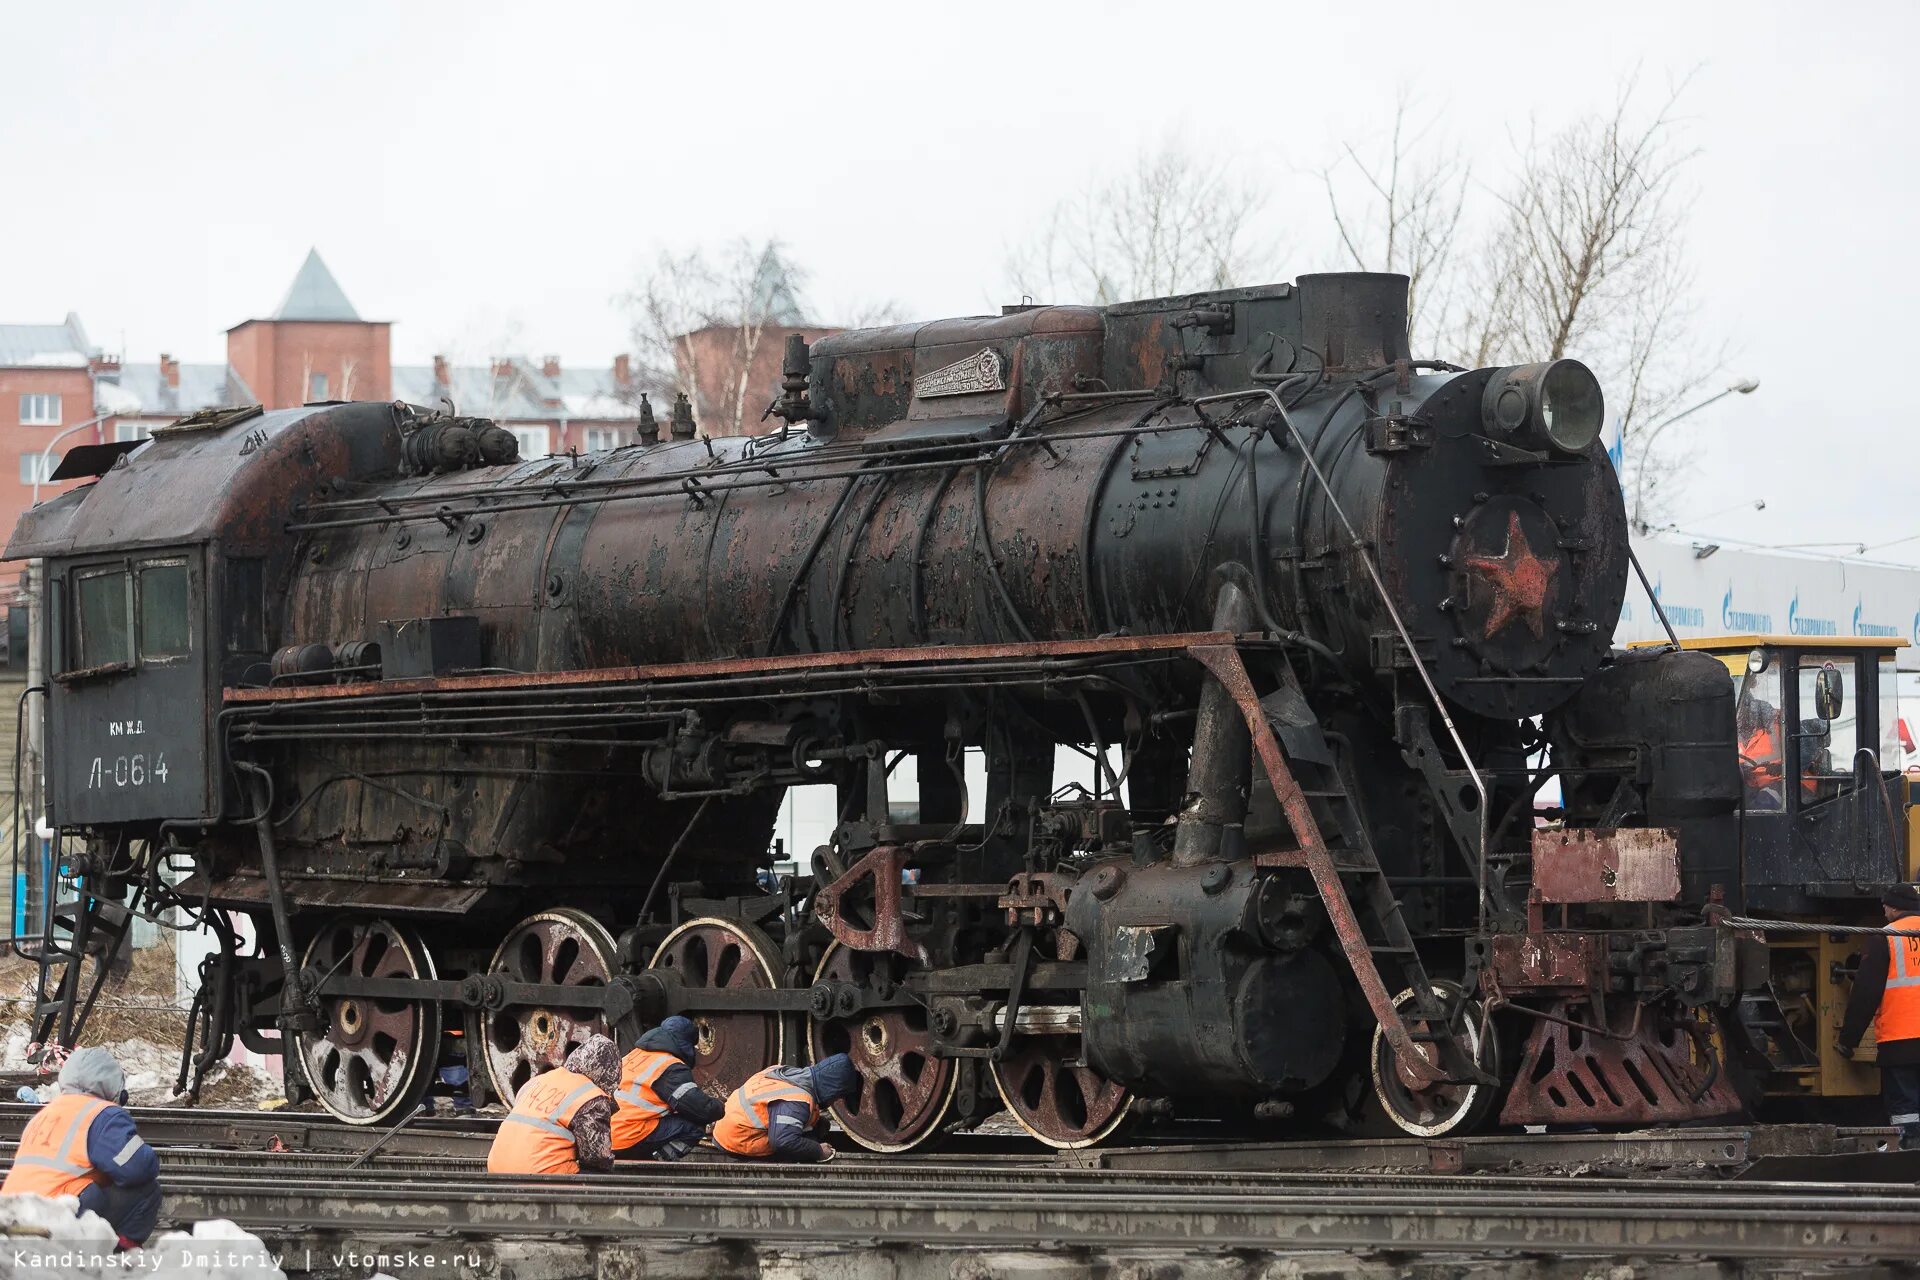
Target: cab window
x=163 y=605
x=103 y=633
x=1826 y=756
x=1762 y=749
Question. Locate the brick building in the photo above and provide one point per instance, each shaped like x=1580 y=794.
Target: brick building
x=315 y=346
x=46 y=395
x=58 y=390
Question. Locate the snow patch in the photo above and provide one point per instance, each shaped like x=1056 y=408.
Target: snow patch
x=51 y=1240
x=111 y=397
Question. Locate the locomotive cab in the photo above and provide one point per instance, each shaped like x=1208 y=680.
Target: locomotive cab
x=127 y=700
x=1824 y=819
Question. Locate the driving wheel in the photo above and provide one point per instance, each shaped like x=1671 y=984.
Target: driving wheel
x=1046 y=1083
x=372 y=1057
x=565 y=948
x=904 y=1090
x=729 y=1046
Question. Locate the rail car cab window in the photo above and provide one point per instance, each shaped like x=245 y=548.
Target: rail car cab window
x=162 y=597
x=103 y=611
x=123 y=613
x=1826 y=748
x=1762 y=746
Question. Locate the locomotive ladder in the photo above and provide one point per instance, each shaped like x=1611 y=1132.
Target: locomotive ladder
x=94 y=927
x=1360 y=902
x=1333 y=868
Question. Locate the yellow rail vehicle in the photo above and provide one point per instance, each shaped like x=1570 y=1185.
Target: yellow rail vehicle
x=1820 y=760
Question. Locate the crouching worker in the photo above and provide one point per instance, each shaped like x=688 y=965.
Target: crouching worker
x=561 y=1119
x=780 y=1112
x=661 y=1111
x=83 y=1144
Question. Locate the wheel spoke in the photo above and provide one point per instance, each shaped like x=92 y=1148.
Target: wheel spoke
x=371 y=1059
x=558 y=948
x=729 y=1047
x=906 y=1089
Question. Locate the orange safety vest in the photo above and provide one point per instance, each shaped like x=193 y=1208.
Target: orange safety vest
x=637 y=1107
x=743 y=1129
x=52 y=1157
x=534 y=1137
x=1898 y=1017
x=1764 y=751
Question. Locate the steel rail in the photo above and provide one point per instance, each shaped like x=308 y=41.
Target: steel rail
x=922 y=1177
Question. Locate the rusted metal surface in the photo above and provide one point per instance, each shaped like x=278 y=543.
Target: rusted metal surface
x=905 y=1088
x=564 y=948
x=370 y=1060
x=726 y=955
x=1043 y=1075
x=1227 y=667
x=1631 y=864
x=1619 y=1066
x=1037 y=898
x=862 y=909
x=1108 y=646
x=1520 y=962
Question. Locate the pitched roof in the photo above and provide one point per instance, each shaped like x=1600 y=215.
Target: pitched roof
x=139 y=391
x=315 y=294
x=44 y=346
x=519 y=393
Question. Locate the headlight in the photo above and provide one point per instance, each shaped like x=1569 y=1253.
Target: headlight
x=1555 y=404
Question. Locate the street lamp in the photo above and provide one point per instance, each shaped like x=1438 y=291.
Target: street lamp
x=1746 y=386
x=46 y=454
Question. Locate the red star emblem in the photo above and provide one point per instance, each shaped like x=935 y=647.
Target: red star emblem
x=1520 y=581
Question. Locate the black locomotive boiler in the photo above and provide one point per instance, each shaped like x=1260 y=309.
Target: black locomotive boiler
x=453 y=748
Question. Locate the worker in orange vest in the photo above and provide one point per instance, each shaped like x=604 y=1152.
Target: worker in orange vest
x=561 y=1119
x=1886 y=991
x=779 y=1112
x=84 y=1144
x=660 y=1110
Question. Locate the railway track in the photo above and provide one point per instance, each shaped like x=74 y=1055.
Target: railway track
x=1715 y=1148
x=308 y=1187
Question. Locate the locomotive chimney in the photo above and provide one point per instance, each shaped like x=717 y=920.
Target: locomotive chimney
x=646 y=431
x=681 y=419
x=1357 y=319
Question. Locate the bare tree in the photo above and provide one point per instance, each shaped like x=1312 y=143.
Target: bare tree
x=1398 y=206
x=701 y=322
x=1585 y=258
x=1175 y=223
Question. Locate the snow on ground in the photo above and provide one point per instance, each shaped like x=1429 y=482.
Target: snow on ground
x=151 y=1071
x=45 y=1240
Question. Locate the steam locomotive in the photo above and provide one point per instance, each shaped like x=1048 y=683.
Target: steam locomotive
x=460 y=752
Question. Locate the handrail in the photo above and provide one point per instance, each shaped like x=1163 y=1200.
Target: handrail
x=1406 y=638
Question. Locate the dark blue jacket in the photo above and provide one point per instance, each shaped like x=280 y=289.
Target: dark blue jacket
x=676 y=1086
x=116 y=1149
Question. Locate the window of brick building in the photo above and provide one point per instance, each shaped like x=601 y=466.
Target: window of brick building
x=533 y=441
x=39 y=410
x=37 y=468
x=600 y=438
x=125 y=431
x=316 y=386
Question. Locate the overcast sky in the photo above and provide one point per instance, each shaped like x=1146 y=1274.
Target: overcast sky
x=493 y=176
